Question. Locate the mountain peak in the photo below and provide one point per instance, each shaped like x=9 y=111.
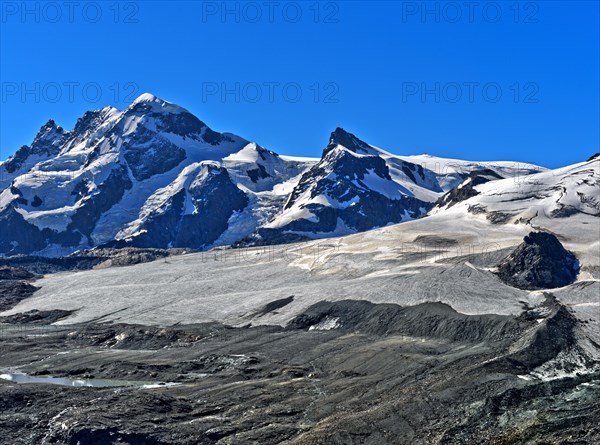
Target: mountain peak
x=46 y=142
x=148 y=101
x=49 y=129
x=339 y=134
x=147 y=97
x=50 y=124
x=341 y=137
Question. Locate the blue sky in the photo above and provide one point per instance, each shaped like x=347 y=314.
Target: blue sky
x=498 y=80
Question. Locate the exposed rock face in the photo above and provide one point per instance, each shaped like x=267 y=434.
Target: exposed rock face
x=12 y=292
x=432 y=320
x=23 y=236
x=215 y=197
x=14 y=273
x=554 y=334
x=466 y=189
x=540 y=262
x=92 y=202
x=14 y=286
x=150 y=155
x=195 y=215
x=93 y=206
x=36 y=317
x=23 y=267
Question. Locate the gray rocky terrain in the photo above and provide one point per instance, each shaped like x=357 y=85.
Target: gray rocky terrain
x=389 y=375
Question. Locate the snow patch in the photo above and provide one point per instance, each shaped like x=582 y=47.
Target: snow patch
x=327 y=324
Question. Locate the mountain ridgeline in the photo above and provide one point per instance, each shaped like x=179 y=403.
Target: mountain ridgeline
x=154 y=175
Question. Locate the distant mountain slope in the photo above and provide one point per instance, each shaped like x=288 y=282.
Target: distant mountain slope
x=349 y=190
x=154 y=175
x=356 y=186
x=554 y=194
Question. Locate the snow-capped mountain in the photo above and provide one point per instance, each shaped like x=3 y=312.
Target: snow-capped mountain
x=356 y=187
x=350 y=189
x=556 y=193
x=96 y=178
x=155 y=175
x=46 y=144
x=191 y=211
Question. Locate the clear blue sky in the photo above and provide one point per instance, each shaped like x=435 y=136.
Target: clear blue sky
x=492 y=82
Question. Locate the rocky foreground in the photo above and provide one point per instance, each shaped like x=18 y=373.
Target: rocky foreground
x=385 y=375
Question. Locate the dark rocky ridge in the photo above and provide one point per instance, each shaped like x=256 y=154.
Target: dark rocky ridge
x=433 y=320
x=14 y=273
x=540 y=262
x=93 y=206
x=150 y=154
x=23 y=236
x=47 y=143
x=465 y=189
x=86 y=259
x=36 y=317
x=265 y=237
x=555 y=333
x=341 y=137
x=15 y=286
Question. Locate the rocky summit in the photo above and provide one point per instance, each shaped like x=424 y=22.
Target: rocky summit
x=540 y=262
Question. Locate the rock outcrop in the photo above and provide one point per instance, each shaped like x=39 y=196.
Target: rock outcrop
x=540 y=262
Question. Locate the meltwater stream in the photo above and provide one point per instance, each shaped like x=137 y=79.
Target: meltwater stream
x=22 y=378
